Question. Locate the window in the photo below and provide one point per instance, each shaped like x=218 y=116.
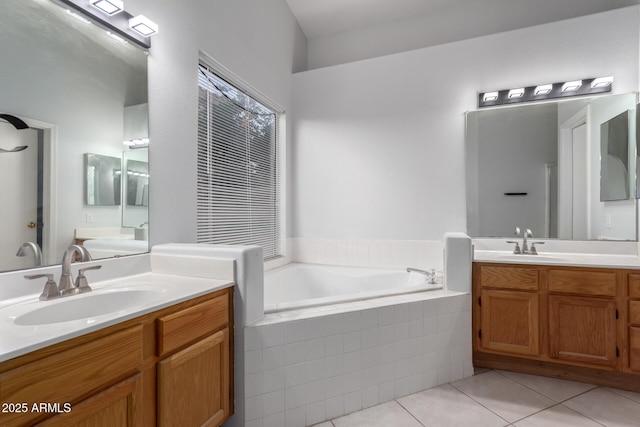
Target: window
x=238 y=170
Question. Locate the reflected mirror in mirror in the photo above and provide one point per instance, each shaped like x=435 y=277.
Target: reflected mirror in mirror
x=70 y=82
x=136 y=188
x=538 y=166
x=614 y=158
x=102 y=180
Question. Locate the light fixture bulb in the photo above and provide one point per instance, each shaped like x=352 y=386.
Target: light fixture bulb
x=116 y=37
x=78 y=17
x=516 y=93
x=143 y=25
x=490 y=96
x=601 y=82
x=571 y=86
x=543 y=89
x=110 y=7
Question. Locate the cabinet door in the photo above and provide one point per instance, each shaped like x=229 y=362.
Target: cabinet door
x=193 y=384
x=119 y=405
x=510 y=322
x=582 y=329
x=634 y=348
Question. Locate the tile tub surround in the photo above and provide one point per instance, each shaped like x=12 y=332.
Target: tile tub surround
x=374 y=253
x=304 y=371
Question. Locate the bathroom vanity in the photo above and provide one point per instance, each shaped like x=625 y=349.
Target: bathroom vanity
x=168 y=367
x=567 y=321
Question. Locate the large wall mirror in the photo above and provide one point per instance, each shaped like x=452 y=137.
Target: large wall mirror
x=541 y=166
x=70 y=83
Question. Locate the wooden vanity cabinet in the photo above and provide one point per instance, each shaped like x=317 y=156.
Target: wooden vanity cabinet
x=172 y=367
x=582 y=315
x=509 y=306
x=566 y=322
x=634 y=322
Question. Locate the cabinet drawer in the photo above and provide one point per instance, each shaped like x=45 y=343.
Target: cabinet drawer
x=521 y=278
x=72 y=375
x=634 y=312
x=601 y=283
x=179 y=329
x=634 y=285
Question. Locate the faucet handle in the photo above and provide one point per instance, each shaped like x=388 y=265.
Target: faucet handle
x=533 y=250
x=516 y=250
x=81 y=281
x=50 y=290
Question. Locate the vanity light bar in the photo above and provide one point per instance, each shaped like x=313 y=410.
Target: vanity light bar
x=110 y=15
x=582 y=87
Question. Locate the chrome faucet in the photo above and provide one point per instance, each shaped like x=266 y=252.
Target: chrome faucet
x=525 y=244
x=67 y=286
x=37 y=253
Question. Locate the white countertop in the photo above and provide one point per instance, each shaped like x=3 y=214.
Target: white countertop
x=559 y=258
x=17 y=340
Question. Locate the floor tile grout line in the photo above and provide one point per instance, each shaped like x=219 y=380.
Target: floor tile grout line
x=586 y=416
x=613 y=390
x=410 y=413
x=488 y=409
x=549 y=397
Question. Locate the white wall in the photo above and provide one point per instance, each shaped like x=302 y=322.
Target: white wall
x=451 y=22
x=259 y=41
x=379 y=144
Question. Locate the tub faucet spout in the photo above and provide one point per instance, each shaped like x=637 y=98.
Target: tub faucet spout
x=431 y=275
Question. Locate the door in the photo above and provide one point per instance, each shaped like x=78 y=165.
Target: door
x=119 y=405
x=193 y=384
x=19 y=194
x=580 y=206
x=582 y=329
x=510 y=322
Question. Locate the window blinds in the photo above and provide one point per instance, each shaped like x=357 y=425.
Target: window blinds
x=238 y=172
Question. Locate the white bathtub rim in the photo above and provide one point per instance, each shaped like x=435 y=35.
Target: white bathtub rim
x=331 y=300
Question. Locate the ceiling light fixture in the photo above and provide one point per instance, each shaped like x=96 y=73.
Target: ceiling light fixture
x=110 y=7
x=143 y=25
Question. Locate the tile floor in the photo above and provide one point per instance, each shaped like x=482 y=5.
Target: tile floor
x=500 y=398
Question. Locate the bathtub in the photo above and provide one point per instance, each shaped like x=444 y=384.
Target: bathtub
x=296 y=286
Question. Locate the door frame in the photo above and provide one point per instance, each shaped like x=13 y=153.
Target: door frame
x=565 y=171
x=49 y=188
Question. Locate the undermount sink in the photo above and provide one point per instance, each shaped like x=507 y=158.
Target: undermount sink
x=86 y=306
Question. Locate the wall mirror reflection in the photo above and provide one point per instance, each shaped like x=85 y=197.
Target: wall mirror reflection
x=539 y=165
x=102 y=180
x=614 y=158
x=70 y=83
